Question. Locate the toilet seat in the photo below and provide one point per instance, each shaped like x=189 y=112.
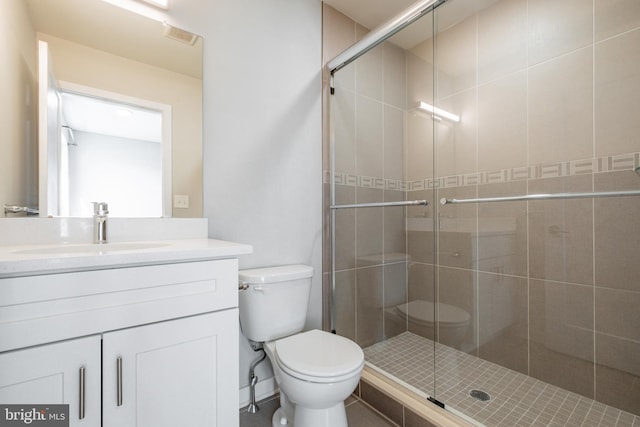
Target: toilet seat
x=319 y=356
x=422 y=312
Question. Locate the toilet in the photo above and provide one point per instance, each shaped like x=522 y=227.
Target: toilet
x=315 y=370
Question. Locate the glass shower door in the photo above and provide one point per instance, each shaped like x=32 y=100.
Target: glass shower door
x=382 y=250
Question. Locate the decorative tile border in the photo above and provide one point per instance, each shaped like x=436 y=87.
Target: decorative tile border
x=618 y=162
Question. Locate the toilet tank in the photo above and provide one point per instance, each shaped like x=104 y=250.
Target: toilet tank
x=274 y=301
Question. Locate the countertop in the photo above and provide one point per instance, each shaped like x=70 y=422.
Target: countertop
x=30 y=260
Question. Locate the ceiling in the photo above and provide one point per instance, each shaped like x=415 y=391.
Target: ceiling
x=373 y=13
x=101 y=25
x=104 y=26
x=370 y=13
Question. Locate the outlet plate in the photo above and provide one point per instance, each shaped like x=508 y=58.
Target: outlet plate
x=180 y=201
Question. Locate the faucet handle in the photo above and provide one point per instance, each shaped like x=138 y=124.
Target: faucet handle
x=100 y=208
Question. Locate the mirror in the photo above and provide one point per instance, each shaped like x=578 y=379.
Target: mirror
x=105 y=52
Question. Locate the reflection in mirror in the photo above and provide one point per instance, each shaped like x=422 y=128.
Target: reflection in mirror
x=102 y=136
x=106 y=50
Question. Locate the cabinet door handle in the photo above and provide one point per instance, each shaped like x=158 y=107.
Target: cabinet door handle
x=119 y=380
x=81 y=396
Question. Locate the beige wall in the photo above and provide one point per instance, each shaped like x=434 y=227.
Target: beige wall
x=18 y=115
x=548 y=99
x=90 y=67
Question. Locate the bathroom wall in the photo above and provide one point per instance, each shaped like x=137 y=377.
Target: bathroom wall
x=547 y=95
x=263 y=150
x=18 y=117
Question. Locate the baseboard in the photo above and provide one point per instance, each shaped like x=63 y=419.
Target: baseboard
x=265 y=388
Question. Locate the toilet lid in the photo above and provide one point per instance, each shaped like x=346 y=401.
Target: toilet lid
x=319 y=354
x=421 y=311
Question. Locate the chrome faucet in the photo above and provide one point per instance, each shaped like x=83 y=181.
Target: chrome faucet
x=100 y=211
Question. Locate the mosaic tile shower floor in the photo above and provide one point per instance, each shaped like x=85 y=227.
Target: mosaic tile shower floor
x=516 y=399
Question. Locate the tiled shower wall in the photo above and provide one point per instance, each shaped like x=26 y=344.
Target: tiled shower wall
x=549 y=95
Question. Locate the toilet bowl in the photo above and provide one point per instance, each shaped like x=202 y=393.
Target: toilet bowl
x=315 y=370
x=452 y=322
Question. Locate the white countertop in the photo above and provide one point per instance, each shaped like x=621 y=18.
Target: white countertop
x=29 y=260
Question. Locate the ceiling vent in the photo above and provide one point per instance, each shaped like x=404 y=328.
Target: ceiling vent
x=177 y=34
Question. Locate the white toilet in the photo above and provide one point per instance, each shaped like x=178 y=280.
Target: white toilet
x=315 y=370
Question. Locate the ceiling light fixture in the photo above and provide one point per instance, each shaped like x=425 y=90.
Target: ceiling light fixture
x=437 y=113
x=162 y=4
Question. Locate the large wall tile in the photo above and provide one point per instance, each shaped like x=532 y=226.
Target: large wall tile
x=457 y=287
x=558 y=27
x=617 y=315
x=369 y=74
x=614 y=17
x=420 y=77
x=345 y=303
x=502 y=320
x=458 y=226
x=394 y=75
x=395 y=293
x=369 y=137
x=395 y=236
x=617 y=388
x=419 y=147
x=420 y=234
x=456 y=58
x=338 y=33
x=560 y=108
x=502 y=39
x=617 y=226
x=369 y=223
x=393 y=142
x=502 y=123
x=345 y=229
x=561 y=333
x=344 y=124
x=502 y=230
x=561 y=231
x=369 y=297
x=421 y=282
x=456 y=143
x=617 y=94
x=421 y=287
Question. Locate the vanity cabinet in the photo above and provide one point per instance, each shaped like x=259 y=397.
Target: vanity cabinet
x=157 y=345
x=170 y=374
x=67 y=372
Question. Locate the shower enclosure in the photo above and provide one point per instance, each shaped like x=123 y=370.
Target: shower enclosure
x=482 y=227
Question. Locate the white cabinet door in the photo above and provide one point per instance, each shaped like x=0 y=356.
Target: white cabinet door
x=177 y=373
x=51 y=374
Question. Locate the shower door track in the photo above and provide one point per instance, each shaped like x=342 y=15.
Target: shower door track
x=383 y=32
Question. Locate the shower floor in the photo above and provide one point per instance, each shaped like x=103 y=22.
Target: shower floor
x=516 y=399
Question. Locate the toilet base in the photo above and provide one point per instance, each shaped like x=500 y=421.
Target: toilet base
x=336 y=416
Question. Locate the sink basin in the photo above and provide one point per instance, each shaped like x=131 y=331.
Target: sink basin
x=91 y=249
